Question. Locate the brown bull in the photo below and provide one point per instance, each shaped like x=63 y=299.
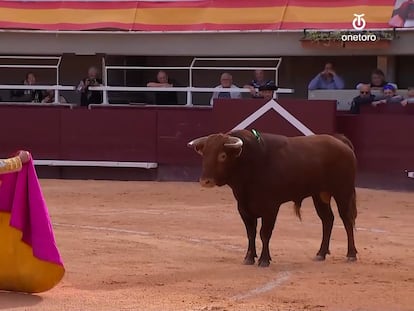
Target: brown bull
x=265 y=171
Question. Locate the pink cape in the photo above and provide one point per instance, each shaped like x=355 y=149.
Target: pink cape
x=21 y=195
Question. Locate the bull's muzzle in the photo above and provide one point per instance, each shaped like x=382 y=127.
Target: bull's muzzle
x=207 y=182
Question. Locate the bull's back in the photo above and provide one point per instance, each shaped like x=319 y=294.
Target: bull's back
x=323 y=152
x=324 y=146
x=311 y=163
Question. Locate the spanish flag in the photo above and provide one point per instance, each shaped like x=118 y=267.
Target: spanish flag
x=193 y=15
x=29 y=258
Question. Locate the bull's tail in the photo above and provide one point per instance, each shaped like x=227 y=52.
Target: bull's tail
x=352 y=214
x=296 y=208
x=345 y=140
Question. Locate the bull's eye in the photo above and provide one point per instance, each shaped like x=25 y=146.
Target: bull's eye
x=222 y=157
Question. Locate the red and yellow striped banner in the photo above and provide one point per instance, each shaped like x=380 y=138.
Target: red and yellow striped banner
x=193 y=15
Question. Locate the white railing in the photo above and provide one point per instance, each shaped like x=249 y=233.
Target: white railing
x=108 y=88
x=146 y=165
x=56 y=66
x=71 y=106
x=191 y=68
x=252 y=59
x=55 y=88
x=189 y=90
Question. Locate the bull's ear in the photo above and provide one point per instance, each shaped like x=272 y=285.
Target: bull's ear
x=198 y=144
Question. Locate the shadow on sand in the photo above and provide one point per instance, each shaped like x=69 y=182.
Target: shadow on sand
x=9 y=300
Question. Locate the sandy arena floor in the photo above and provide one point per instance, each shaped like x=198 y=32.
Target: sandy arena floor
x=175 y=246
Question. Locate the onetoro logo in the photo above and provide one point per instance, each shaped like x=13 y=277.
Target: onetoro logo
x=359 y=23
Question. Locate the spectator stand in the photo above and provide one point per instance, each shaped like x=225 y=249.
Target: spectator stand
x=191 y=69
x=343 y=97
x=35 y=62
x=189 y=90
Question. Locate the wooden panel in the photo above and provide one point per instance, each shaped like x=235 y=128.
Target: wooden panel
x=110 y=134
x=383 y=142
x=178 y=126
x=388 y=109
x=31 y=128
x=318 y=116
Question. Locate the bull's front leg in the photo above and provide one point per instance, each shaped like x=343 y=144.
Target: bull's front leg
x=251 y=224
x=268 y=223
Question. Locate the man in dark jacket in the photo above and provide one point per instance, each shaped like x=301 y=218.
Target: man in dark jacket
x=89 y=97
x=34 y=96
x=364 y=98
x=267 y=91
x=164 y=98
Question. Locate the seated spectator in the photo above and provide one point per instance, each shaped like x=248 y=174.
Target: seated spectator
x=389 y=97
x=50 y=98
x=410 y=97
x=364 y=98
x=267 y=91
x=378 y=80
x=327 y=80
x=402 y=16
x=258 y=81
x=226 y=82
x=164 y=98
x=35 y=96
x=89 y=97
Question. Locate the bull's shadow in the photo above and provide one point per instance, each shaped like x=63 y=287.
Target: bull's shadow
x=10 y=300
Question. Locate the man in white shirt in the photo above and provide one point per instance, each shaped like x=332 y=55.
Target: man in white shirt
x=226 y=82
x=410 y=98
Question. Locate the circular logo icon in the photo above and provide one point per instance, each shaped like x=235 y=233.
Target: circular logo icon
x=359 y=22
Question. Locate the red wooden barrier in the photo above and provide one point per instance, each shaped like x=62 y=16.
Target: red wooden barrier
x=176 y=127
x=388 y=109
x=109 y=134
x=32 y=128
x=383 y=142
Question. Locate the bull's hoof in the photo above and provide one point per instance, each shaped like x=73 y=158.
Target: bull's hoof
x=264 y=263
x=319 y=258
x=248 y=261
x=351 y=259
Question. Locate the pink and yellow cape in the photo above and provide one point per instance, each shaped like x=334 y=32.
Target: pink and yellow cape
x=29 y=258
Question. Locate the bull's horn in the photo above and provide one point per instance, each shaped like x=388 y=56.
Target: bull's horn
x=196 y=141
x=234 y=142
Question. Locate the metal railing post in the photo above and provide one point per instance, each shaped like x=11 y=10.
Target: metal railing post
x=105 y=80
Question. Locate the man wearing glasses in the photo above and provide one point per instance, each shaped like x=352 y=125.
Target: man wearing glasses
x=364 y=98
x=226 y=82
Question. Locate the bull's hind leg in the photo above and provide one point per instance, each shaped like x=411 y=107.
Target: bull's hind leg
x=324 y=212
x=251 y=224
x=347 y=211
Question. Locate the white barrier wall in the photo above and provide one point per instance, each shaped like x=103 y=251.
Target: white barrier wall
x=343 y=97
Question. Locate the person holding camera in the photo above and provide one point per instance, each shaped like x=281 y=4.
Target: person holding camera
x=34 y=96
x=89 y=97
